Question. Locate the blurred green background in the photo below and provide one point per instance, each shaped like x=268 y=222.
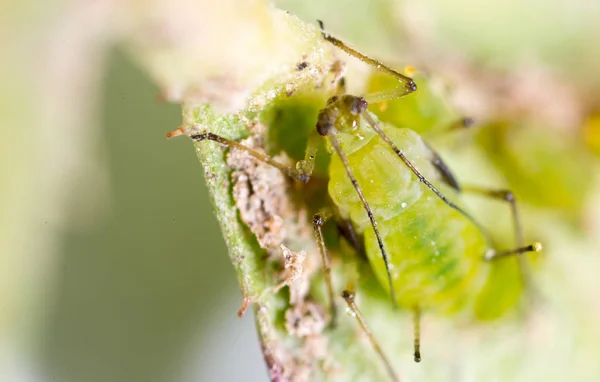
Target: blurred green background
x=134 y=292
x=138 y=286
x=112 y=265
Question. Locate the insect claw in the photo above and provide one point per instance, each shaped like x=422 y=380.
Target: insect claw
x=494 y=255
x=411 y=86
x=304 y=178
x=322 y=26
x=348 y=296
x=417 y=357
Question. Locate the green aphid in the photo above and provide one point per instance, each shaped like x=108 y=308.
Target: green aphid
x=426 y=251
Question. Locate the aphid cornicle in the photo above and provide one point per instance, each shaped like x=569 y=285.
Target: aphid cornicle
x=425 y=250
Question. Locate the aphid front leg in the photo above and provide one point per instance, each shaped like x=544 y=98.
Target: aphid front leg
x=290 y=171
x=318 y=220
x=302 y=171
x=348 y=296
x=407 y=84
x=305 y=167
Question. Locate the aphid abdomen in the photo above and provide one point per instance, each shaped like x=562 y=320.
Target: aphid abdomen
x=434 y=250
x=435 y=254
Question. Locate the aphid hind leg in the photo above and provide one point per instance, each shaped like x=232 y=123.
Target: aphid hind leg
x=407 y=84
x=417 y=332
x=348 y=296
x=319 y=220
x=509 y=197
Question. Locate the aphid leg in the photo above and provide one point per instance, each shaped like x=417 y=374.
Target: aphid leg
x=340 y=153
x=307 y=165
x=443 y=169
x=348 y=295
x=298 y=173
x=495 y=255
x=408 y=85
x=509 y=197
x=347 y=230
x=417 y=328
x=318 y=220
x=418 y=174
x=302 y=172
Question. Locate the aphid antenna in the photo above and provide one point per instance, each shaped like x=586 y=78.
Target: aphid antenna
x=336 y=146
x=408 y=87
x=348 y=296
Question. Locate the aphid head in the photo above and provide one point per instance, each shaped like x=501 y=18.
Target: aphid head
x=340 y=114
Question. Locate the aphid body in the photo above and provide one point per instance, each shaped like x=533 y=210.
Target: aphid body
x=434 y=251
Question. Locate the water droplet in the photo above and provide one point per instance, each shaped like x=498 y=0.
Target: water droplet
x=403 y=204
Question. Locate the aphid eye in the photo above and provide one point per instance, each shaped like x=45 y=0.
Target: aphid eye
x=361 y=105
x=356 y=105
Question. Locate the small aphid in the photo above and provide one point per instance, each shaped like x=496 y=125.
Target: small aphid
x=425 y=250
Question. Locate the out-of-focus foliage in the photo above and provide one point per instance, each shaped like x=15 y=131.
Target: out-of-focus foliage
x=426 y=111
x=545 y=167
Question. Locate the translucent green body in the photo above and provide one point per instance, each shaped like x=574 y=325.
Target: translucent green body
x=435 y=252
